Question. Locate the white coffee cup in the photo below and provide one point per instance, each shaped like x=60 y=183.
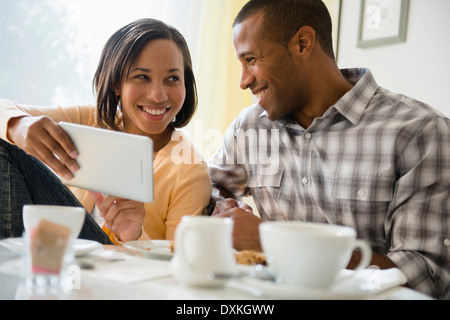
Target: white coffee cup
x=310 y=254
x=203 y=248
x=71 y=217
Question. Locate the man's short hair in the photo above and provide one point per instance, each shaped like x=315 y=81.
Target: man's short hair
x=283 y=18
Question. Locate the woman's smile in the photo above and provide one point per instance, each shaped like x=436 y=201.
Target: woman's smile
x=155 y=113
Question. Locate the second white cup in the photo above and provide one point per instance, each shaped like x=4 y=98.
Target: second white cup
x=310 y=254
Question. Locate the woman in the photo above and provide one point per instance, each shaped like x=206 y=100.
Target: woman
x=145 y=85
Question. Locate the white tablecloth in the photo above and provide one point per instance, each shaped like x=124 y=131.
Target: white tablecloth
x=121 y=274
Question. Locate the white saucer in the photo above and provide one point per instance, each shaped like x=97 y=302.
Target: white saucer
x=159 y=249
x=363 y=284
x=81 y=247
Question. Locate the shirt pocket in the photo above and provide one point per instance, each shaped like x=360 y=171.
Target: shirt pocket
x=363 y=203
x=373 y=189
x=265 y=186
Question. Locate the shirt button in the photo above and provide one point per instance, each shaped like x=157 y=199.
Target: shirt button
x=308 y=136
x=447 y=242
x=362 y=193
x=304 y=180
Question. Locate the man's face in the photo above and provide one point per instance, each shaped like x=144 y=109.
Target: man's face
x=268 y=69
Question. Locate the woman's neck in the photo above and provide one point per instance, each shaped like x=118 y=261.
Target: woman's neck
x=162 y=139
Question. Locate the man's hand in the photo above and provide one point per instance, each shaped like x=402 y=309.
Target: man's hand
x=246 y=224
x=382 y=261
x=227 y=204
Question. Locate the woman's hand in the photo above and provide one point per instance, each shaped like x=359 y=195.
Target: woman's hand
x=123 y=217
x=44 y=139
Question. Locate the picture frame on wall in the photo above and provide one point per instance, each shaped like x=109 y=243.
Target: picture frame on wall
x=382 y=22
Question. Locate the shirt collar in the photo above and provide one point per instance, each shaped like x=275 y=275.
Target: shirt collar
x=286 y=121
x=353 y=103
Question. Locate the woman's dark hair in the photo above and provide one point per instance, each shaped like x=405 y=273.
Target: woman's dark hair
x=283 y=18
x=119 y=54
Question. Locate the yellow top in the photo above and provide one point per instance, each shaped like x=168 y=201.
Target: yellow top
x=181 y=181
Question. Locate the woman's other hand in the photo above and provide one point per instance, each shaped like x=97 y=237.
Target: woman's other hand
x=123 y=217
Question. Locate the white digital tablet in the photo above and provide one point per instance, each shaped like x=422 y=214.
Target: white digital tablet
x=113 y=163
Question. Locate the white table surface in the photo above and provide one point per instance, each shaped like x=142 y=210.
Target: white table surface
x=162 y=287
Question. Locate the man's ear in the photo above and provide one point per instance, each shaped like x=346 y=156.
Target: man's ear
x=302 y=43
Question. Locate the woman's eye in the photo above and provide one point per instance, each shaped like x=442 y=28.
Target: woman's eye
x=141 y=76
x=174 y=79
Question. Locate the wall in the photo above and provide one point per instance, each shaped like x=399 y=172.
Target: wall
x=419 y=67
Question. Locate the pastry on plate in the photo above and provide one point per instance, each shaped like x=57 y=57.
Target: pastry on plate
x=250 y=257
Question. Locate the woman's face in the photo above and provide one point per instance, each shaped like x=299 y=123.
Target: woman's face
x=154 y=91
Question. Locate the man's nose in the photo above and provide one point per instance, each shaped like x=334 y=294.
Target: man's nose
x=246 y=78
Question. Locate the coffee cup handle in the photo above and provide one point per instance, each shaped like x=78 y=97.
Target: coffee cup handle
x=182 y=231
x=364 y=262
x=366 y=254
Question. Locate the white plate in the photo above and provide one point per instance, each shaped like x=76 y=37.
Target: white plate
x=81 y=247
x=363 y=284
x=13 y=244
x=152 y=248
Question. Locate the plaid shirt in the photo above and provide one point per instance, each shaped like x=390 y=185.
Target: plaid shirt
x=376 y=161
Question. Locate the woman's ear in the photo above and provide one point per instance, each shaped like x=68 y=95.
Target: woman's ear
x=302 y=43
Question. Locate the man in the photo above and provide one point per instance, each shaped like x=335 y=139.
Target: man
x=331 y=146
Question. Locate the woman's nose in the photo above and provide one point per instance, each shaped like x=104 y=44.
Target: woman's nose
x=157 y=92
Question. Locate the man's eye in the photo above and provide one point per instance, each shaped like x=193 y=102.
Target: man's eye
x=250 y=60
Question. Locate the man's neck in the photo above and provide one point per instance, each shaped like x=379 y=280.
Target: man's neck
x=330 y=89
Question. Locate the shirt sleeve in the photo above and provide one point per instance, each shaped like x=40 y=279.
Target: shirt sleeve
x=419 y=224
x=224 y=168
x=76 y=114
